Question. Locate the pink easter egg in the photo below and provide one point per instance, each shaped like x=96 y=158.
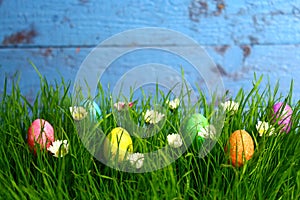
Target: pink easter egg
x=41 y=132
x=283 y=115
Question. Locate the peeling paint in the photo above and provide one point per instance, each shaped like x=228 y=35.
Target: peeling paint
x=47 y=52
x=232 y=75
x=198 y=8
x=220 y=70
x=246 y=50
x=67 y=20
x=221 y=49
x=296 y=11
x=253 y=40
x=20 y=37
x=220 y=6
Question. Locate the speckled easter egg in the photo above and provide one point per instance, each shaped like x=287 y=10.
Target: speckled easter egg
x=118 y=142
x=283 y=115
x=41 y=132
x=93 y=108
x=241 y=147
x=195 y=125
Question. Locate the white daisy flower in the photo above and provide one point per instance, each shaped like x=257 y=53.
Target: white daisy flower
x=173 y=104
x=59 y=147
x=136 y=160
x=78 y=112
x=207 y=132
x=263 y=127
x=153 y=117
x=174 y=140
x=230 y=106
x=121 y=105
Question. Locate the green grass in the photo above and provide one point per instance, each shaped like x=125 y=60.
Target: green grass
x=272 y=173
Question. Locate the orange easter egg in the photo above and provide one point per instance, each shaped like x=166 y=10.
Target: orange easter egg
x=241 y=147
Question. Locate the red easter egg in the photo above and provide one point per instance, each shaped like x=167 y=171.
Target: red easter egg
x=41 y=132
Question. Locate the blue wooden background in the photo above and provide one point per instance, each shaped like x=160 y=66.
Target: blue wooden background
x=242 y=37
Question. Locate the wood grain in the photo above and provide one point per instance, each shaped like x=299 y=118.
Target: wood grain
x=242 y=37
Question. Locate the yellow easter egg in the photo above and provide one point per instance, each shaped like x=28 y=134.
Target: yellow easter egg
x=117 y=143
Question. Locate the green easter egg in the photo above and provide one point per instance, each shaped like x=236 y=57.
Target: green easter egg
x=194 y=125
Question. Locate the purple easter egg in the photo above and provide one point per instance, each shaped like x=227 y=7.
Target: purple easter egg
x=283 y=116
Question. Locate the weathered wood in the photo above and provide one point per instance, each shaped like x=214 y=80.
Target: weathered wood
x=87 y=23
x=238 y=68
x=242 y=37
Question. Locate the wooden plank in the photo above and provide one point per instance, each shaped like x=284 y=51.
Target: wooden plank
x=237 y=66
x=87 y=23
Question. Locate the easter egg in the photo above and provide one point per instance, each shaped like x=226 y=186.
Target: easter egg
x=41 y=132
x=195 y=124
x=93 y=108
x=241 y=147
x=118 y=142
x=283 y=115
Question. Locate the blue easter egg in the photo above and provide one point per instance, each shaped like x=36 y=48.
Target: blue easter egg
x=93 y=108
